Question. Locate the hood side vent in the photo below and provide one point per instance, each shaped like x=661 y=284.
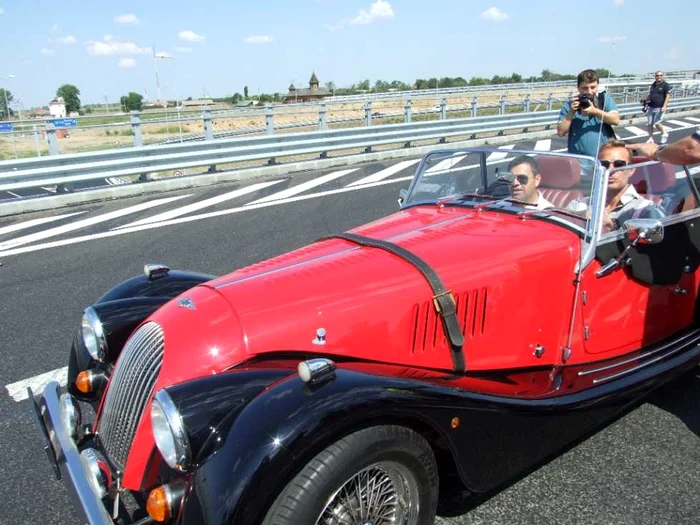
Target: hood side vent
x=427 y=332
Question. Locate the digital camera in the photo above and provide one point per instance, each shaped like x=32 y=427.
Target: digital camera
x=645 y=104
x=584 y=100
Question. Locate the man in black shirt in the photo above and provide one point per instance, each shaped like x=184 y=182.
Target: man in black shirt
x=659 y=93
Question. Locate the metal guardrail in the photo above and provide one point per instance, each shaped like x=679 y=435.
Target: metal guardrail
x=63 y=169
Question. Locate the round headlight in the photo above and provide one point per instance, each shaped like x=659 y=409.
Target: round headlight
x=93 y=334
x=169 y=432
x=95 y=477
x=70 y=415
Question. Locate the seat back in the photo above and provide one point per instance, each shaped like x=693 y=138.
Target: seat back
x=655 y=182
x=560 y=177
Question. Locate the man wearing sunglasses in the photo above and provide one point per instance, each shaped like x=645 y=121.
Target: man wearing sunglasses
x=657 y=100
x=524 y=177
x=622 y=201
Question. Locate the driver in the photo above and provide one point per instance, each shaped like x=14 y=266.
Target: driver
x=622 y=201
x=525 y=172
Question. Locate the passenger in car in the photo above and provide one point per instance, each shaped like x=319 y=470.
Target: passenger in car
x=622 y=201
x=525 y=172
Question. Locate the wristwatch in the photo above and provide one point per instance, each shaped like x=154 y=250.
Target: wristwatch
x=696 y=134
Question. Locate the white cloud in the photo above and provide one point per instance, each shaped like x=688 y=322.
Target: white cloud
x=112 y=46
x=183 y=49
x=163 y=54
x=611 y=39
x=70 y=39
x=259 y=39
x=190 y=36
x=377 y=11
x=127 y=19
x=127 y=62
x=618 y=2
x=494 y=14
x=47 y=51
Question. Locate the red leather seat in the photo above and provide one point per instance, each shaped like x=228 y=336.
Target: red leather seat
x=560 y=177
x=651 y=182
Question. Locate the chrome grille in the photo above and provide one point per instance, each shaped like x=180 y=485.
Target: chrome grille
x=129 y=390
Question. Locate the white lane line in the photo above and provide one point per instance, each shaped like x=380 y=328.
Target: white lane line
x=18 y=390
x=447 y=164
x=36 y=222
x=638 y=132
x=694 y=119
x=295 y=190
x=498 y=155
x=387 y=172
x=13 y=243
x=178 y=212
x=678 y=123
x=543 y=145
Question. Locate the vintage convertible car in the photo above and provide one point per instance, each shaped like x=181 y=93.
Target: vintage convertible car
x=374 y=375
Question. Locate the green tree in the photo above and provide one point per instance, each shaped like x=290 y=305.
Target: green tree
x=245 y=92
x=71 y=97
x=330 y=86
x=5 y=113
x=132 y=101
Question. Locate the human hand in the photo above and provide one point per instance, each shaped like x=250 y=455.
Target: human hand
x=591 y=110
x=647 y=149
x=574 y=105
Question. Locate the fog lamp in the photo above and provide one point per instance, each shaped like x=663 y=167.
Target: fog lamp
x=95 y=477
x=163 y=502
x=70 y=415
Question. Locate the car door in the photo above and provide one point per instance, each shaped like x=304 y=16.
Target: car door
x=655 y=293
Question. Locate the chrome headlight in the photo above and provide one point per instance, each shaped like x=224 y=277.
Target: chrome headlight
x=93 y=334
x=169 y=432
x=95 y=477
x=70 y=415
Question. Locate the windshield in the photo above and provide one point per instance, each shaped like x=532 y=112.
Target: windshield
x=523 y=180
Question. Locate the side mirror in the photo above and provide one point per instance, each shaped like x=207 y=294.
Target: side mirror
x=402 y=196
x=644 y=231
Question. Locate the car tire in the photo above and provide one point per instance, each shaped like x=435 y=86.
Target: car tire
x=395 y=458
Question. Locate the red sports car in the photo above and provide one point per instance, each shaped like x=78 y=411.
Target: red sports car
x=515 y=302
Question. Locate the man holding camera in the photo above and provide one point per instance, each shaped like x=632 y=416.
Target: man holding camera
x=656 y=102
x=583 y=116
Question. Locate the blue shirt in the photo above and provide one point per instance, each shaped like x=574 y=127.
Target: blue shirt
x=583 y=133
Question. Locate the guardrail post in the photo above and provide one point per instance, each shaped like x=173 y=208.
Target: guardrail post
x=636 y=94
x=407 y=111
x=368 y=113
x=208 y=124
x=269 y=120
x=550 y=99
x=475 y=106
x=136 y=129
x=526 y=106
x=443 y=109
x=625 y=95
x=502 y=105
x=322 y=124
x=51 y=138
x=36 y=140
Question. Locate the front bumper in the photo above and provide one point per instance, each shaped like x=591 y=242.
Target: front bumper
x=64 y=456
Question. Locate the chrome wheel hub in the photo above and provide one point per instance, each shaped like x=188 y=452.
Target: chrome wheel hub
x=381 y=494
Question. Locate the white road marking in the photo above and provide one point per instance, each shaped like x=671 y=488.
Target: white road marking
x=12 y=243
x=447 y=164
x=178 y=212
x=387 y=172
x=637 y=131
x=498 y=155
x=299 y=188
x=694 y=119
x=36 y=222
x=543 y=145
x=18 y=390
x=678 y=123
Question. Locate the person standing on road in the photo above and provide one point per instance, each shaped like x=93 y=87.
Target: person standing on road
x=657 y=102
x=680 y=153
x=582 y=116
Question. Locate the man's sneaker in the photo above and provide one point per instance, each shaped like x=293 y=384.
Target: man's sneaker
x=650 y=140
x=664 y=138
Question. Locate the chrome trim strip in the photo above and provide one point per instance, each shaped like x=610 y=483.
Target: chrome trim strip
x=695 y=333
x=321 y=257
x=642 y=365
x=69 y=460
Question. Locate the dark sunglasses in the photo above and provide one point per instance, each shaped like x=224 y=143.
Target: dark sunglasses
x=615 y=163
x=512 y=177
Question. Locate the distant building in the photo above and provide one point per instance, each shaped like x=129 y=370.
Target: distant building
x=313 y=94
x=197 y=103
x=57 y=108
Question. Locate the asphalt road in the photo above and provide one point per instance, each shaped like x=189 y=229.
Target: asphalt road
x=642 y=469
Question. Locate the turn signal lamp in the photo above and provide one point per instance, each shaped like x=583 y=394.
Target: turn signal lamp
x=158 y=504
x=84 y=382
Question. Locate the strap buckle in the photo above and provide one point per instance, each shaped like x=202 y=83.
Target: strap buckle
x=444 y=307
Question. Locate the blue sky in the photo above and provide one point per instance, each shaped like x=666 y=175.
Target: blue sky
x=218 y=47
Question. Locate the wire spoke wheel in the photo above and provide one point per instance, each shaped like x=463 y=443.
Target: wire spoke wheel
x=383 y=493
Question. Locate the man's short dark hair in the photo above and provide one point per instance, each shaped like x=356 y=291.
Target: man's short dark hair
x=525 y=159
x=615 y=144
x=587 y=76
